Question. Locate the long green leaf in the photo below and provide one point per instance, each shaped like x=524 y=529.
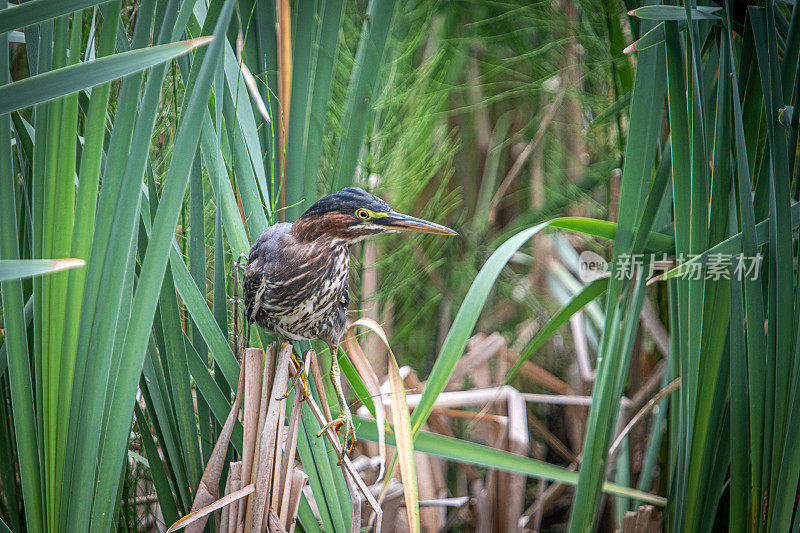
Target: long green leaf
x=27 y=268
x=316 y=41
x=675 y=13
x=16 y=340
x=361 y=91
x=477 y=454
x=35 y=11
x=641 y=149
x=61 y=82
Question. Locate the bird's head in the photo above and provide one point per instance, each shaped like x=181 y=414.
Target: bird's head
x=353 y=214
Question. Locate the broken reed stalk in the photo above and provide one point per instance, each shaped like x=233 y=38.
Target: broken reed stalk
x=253 y=367
x=263 y=469
x=208 y=491
x=264 y=489
x=287 y=467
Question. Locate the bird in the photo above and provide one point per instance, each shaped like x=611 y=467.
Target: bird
x=296 y=276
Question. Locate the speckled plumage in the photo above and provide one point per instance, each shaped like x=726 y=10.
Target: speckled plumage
x=297 y=290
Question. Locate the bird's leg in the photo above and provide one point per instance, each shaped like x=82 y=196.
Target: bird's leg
x=301 y=376
x=345 y=418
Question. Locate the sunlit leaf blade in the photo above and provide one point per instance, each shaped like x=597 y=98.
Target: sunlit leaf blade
x=26 y=268
x=67 y=80
x=675 y=13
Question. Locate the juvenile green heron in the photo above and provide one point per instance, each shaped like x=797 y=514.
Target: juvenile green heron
x=295 y=282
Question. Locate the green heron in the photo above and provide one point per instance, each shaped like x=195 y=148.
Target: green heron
x=295 y=282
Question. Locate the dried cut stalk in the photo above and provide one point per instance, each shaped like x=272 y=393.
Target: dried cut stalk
x=208 y=491
x=277 y=452
x=224 y=519
x=253 y=368
x=298 y=482
x=236 y=484
x=205 y=511
x=290 y=449
x=267 y=447
x=266 y=392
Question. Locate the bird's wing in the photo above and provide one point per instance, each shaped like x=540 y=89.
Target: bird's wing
x=277 y=271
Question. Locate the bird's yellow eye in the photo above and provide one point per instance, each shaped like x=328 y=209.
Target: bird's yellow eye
x=363 y=214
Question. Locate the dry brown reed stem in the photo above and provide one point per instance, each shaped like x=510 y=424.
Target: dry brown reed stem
x=266 y=450
x=538 y=374
x=277 y=451
x=663 y=393
x=287 y=467
x=553 y=441
x=193 y=518
x=236 y=484
x=299 y=480
x=208 y=491
x=253 y=368
x=266 y=390
x=224 y=518
x=284 y=31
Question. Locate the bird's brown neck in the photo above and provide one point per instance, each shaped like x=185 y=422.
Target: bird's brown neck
x=331 y=226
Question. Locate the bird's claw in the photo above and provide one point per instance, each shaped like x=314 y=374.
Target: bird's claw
x=302 y=378
x=344 y=420
x=301 y=375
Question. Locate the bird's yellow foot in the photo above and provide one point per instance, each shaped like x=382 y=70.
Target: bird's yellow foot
x=344 y=421
x=302 y=378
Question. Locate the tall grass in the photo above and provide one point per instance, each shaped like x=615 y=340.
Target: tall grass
x=731 y=448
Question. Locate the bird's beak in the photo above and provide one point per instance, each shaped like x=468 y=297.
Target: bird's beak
x=405 y=223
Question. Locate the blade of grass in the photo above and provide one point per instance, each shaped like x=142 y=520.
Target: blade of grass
x=316 y=42
x=67 y=80
x=361 y=90
x=16 y=269
x=462 y=451
x=35 y=11
x=641 y=144
x=16 y=337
